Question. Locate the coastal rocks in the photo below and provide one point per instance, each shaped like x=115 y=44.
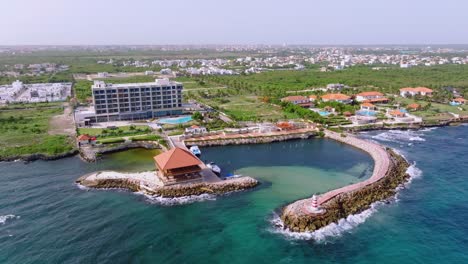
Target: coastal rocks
x=350 y=203
x=249 y=140
x=90 y=153
x=172 y=191
x=33 y=157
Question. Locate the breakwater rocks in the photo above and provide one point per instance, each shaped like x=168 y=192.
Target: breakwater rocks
x=91 y=153
x=147 y=183
x=297 y=219
x=249 y=140
x=39 y=156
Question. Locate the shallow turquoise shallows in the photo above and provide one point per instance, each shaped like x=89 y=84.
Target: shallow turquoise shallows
x=46 y=218
x=175 y=120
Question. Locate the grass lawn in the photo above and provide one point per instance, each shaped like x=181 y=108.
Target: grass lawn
x=119 y=132
x=436 y=111
x=25 y=131
x=250 y=107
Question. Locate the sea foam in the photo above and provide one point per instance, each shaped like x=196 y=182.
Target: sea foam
x=344 y=225
x=5 y=218
x=399 y=136
x=178 y=200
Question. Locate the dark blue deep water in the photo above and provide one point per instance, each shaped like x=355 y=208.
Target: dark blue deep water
x=46 y=218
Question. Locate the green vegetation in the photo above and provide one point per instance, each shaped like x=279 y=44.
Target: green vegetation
x=111 y=140
x=146 y=138
x=432 y=110
x=82 y=90
x=25 y=131
x=122 y=131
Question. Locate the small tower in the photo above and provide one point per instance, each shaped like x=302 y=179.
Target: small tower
x=315 y=208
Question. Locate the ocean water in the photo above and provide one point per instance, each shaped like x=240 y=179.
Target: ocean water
x=46 y=218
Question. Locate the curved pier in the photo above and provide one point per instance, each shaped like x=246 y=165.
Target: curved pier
x=389 y=171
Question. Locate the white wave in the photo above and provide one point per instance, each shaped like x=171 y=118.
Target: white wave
x=399 y=135
x=427 y=129
x=179 y=200
x=82 y=187
x=5 y=218
x=345 y=224
x=332 y=230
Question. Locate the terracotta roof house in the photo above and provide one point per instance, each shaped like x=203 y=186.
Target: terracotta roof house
x=371 y=97
x=458 y=101
x=297 y=100
x=397 y=113
x=409 y=91
x=367 y=106
x=312 y=98
x=341 y=98
x=85 y=139
x=177 y=165
x=414 y=107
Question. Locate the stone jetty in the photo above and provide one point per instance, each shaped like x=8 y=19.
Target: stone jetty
x=149 y=183
x=389 y=172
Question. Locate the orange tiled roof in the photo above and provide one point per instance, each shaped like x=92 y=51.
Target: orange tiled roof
x=461 y=100
x=293 y=98
x=312 y=96
x=417 y=89
x=176 y=158
x=336 y=97
x=377 y=100
x=367 y=105
x=373 y=93
x=84 y=137
x=396 y=113
x=414 y=106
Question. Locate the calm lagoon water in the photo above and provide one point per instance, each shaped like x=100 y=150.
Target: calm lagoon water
x=46 y=218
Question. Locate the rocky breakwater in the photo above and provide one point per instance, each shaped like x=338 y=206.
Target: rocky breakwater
x=389 y=173
x=148 y=183
x=248 y=139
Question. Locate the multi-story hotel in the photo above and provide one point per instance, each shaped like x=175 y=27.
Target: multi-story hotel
x=132 y=101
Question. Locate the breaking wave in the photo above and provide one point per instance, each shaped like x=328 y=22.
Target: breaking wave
x=344 y=225
x=179 y=200
x=5 y=218
x=332 y=230
x=400 y=135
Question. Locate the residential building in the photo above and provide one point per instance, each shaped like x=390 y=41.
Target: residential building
x=336 y=86
x=458 y=101
x=409 y=91
x=341 y=98
x=368 y=107
x=195 y=130
x=371 y=97
x=297 y=100
x=414 y=107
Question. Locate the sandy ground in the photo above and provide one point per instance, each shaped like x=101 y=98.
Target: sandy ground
x=63 y=124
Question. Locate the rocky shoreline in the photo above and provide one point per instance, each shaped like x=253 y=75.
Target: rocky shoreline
x=39 y=156
x=351 y=199
x=148 y=184
x=250 y=140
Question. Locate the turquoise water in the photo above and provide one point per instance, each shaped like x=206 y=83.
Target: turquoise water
x=53 y=221
x=175 y=120
x=366 y=113
x=323 y=113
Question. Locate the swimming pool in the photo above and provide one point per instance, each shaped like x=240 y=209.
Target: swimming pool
x=175 y=120
x=454 y=104
x=366 y=113
x=323 y=113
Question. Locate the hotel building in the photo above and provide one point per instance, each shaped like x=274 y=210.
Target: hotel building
x=133 y=101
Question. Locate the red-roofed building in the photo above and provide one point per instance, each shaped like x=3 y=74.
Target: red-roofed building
x=177 y=165
x=367 y=106
x=458 y=101
x=371 y=97
x=409 y=91
x=85 y=139
x=397 y=113
x=414 y=107
x=297 y=100
x=341 y=98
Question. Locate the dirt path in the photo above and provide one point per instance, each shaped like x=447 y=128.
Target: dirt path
x=63 y=124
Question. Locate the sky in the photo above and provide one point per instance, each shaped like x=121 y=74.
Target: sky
x=155 y=22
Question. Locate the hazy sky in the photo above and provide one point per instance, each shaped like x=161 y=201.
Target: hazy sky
x=233 y=22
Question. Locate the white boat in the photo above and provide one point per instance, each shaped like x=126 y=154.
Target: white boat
x=195 y=150
x=213 y=167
